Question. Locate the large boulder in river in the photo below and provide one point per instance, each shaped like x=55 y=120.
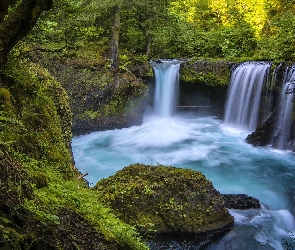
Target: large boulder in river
x=166 y=200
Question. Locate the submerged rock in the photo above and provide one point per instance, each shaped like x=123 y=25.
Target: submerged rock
x=161 y=200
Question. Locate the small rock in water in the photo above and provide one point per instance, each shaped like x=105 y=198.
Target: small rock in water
x=241 y=201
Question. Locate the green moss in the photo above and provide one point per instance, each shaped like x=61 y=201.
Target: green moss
x=39 y=191
x=209 y=72
x=164 y=199
x=39 y=179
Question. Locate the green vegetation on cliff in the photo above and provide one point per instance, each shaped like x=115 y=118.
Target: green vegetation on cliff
x=67 y=42
x=209 y=72
x=75 y=37
x=172 y=29
x=43 y=203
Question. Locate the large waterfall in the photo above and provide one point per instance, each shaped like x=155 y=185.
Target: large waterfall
x=166 y=92
x=253 y=96
x=244 y=94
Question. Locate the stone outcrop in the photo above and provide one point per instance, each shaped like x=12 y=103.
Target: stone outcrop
x=267 y=133
x=241 y=201
x=161 y=200
x=110 y=101
x=263 y=135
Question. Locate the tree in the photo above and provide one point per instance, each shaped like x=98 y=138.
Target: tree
x=18 y=23
x=134 y=22
x=139 y=25
x=115 y=35
x=115 y=6
x=278 y=34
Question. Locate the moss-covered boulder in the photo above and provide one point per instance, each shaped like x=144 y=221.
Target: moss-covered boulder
x=162 y=200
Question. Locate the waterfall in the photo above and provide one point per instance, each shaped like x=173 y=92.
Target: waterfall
x=166 y=74
x=269 y=94
x=284 y=121
x=244 y=95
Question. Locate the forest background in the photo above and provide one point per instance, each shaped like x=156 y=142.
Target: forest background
x=172 y=29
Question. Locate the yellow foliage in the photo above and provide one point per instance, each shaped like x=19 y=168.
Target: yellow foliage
x=228 y=12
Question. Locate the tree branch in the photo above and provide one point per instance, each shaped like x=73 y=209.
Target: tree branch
x=19 y=23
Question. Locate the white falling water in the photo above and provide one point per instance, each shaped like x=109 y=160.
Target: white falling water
x=285 y=110
x=243 y=101
x=268 y=94
x=166 y=92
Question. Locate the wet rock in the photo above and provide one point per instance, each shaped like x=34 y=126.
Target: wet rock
x=263 y=135
x=240 y=201
x=85 y=126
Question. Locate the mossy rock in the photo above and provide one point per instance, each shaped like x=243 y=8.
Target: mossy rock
x=209 y=72
x=39 y=179
x=161 y=200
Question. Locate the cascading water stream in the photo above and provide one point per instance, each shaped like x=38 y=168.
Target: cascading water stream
x=269 y=94
x=244 y=95
x=284 y=121
x=166 y=92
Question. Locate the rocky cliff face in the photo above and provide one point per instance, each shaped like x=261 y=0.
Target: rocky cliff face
x=209 y=72
x=99 y=98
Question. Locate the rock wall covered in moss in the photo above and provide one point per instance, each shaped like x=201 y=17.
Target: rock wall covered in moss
x=209 y=72
x=99 y=98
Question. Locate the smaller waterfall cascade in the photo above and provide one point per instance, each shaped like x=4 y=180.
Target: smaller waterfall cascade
x=284 y=121
x=166 y=91
x=244 y=95
x=269 y=94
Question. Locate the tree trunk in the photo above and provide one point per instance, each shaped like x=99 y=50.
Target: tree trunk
x=148 y=45
x=115 y=38
x=19 y=23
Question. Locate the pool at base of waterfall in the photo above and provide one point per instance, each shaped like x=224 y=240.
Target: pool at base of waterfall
x=206 y=144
